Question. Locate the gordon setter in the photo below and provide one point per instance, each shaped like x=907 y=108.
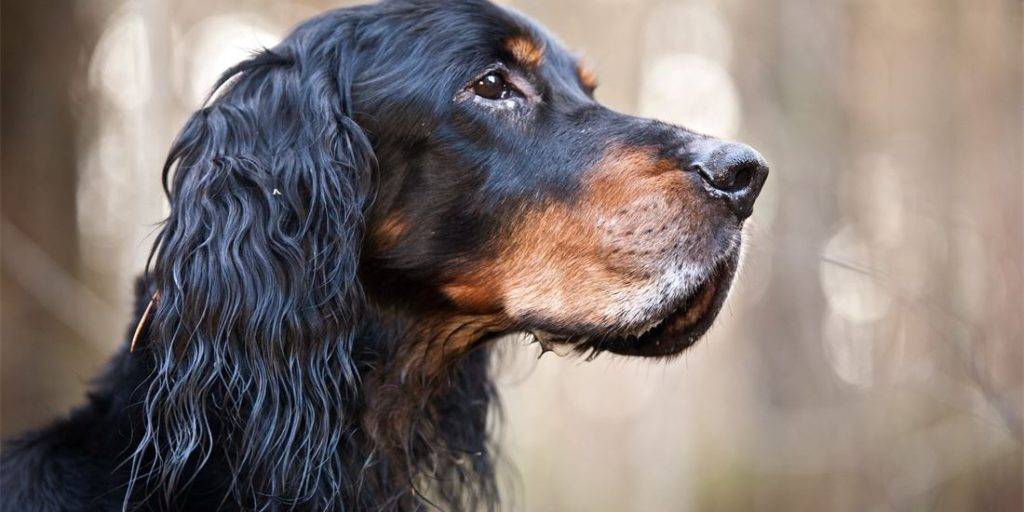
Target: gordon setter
x=356 y=214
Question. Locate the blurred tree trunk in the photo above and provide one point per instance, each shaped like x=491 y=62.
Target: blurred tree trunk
x=38 y=160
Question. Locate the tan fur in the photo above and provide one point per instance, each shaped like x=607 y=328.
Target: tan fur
x=586 y=76
x=387 y=233
x=583 y=261
x=527 y=52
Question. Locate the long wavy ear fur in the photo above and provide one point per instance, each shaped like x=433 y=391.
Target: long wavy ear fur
x=256 y=274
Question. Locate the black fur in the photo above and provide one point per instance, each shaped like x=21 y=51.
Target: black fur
x=295 y=359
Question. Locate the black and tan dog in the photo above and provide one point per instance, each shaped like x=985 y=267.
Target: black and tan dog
x=355 y=216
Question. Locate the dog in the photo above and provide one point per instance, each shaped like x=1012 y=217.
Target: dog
x=356 y=215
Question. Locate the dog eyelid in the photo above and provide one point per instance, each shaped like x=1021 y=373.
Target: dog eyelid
x=493 y=86
x=517 y=91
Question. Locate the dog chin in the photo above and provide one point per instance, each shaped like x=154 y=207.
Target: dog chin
x=675 y=328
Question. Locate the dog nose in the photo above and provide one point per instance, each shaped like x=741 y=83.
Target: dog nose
x=735 y=171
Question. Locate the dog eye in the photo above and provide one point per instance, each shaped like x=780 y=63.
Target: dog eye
x=492 y=86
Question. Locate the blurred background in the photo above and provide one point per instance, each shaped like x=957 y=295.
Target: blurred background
x=869 y=359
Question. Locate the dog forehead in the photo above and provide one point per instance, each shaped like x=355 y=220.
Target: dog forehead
x=483 y=26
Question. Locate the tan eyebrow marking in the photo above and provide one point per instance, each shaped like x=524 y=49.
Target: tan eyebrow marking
x=528 y=52
x=586 y=76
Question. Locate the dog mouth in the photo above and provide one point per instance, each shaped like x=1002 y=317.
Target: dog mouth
x=668 y=334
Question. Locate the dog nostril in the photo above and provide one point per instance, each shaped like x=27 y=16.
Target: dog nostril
x=744 y=174
x=703 y=172
x=736 y=179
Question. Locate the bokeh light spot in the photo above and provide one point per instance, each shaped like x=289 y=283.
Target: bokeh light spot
x=850 y=348
x=217 y=43
x=850 y=278
x=120 y=68
x=693 y=28
x=692 y=91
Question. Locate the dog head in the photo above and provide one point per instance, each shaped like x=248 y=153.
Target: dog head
x=508 y=190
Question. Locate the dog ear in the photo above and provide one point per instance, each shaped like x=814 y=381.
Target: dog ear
x=256 y=276
x=267 y=188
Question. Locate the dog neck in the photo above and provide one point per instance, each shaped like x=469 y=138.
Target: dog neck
x=426 y=362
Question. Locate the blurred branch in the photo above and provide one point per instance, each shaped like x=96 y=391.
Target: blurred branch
x=1006 y=407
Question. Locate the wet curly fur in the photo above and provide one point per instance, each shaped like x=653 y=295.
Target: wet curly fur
x=354 y=215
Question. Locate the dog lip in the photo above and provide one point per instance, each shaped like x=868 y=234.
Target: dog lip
x=676 y=328
x=680 y=327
